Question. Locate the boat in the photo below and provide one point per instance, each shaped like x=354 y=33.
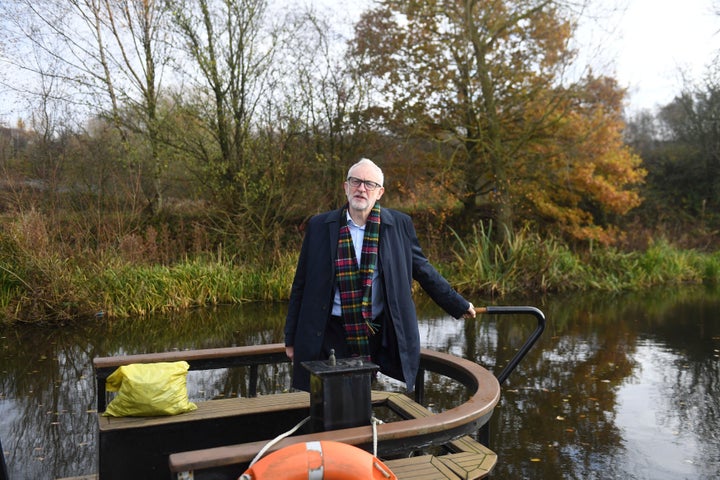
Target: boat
x=224 y=438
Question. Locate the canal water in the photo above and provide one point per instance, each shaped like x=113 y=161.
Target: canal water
x=619 y=386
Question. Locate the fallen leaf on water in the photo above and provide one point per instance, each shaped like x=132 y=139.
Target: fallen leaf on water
x=535 y=460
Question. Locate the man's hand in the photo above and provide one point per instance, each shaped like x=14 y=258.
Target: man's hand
x=470 y=313
x=290 y=351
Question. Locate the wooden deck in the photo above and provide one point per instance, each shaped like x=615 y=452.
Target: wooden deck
x=420 y=429
x=222 y=436
x=455 y=466
x=467 y=460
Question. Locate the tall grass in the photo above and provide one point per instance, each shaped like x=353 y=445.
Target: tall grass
x=531 y=263
x=526 y=262
x=129 y=290
x=40 y=280
x=121 y=289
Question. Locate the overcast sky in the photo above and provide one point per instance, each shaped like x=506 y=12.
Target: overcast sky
x=655 y=40
x=643 y=43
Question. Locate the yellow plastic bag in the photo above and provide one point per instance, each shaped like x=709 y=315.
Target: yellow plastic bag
x=149 y=389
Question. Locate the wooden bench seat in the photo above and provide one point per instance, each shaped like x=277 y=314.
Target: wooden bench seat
x=213 y=409
x=138 y=447
x=467 y=460
x=227 y=433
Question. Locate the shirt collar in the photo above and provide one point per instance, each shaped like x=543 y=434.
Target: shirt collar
x=351 y=222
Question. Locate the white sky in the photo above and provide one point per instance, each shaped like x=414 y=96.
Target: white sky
x=644 y=44
x=655 y=40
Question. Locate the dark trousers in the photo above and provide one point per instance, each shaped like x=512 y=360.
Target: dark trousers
x=335 y=339
x=382 y=345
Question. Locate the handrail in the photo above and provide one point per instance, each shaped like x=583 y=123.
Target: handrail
x=484 y=433
x=534 y=336
x=441 y=427
x=510 y=367
x=204 y=359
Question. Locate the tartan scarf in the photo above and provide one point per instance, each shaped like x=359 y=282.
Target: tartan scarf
x=355 y=282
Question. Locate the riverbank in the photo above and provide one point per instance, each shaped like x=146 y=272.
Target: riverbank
x=39 y=284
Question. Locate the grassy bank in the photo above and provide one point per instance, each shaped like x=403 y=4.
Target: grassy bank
x=41 y=285
x=52 y=290
x=532 y=263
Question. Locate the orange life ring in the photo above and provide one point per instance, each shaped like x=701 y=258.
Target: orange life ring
x=323 y=460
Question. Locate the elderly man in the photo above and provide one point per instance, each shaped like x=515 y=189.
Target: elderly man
x=352 y=291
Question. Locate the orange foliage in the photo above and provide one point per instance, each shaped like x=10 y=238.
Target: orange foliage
x=483 y=79
x=586 y=172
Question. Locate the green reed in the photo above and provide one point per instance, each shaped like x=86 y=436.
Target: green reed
x=41 y=282
x=530 y=263
x=138 y=290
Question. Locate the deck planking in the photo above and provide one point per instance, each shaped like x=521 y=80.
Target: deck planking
x=213 y=409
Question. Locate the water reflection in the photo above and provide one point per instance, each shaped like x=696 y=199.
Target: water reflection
x=620 y=386
x=47 y=390
x=608 y=390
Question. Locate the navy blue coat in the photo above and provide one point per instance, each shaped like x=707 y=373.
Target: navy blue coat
x=401 y=261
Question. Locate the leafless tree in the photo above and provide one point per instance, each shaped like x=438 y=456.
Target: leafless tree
x=106 y=58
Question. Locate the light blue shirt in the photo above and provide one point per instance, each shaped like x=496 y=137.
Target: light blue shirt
x=357 y=234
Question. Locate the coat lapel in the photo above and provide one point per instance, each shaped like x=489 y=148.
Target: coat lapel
x=333 y=225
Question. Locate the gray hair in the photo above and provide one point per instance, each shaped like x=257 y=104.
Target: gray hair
x=367 y=161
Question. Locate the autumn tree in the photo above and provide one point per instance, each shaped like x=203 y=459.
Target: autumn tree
x=573 y=177
x=487 y=79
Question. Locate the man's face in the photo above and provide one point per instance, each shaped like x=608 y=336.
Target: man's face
x=360 y=197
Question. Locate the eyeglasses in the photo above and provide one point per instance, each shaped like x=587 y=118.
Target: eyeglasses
x=369 y=185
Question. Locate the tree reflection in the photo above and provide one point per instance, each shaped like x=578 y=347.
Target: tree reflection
x=47 y=381
x=557 y=416
x=561 y=414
